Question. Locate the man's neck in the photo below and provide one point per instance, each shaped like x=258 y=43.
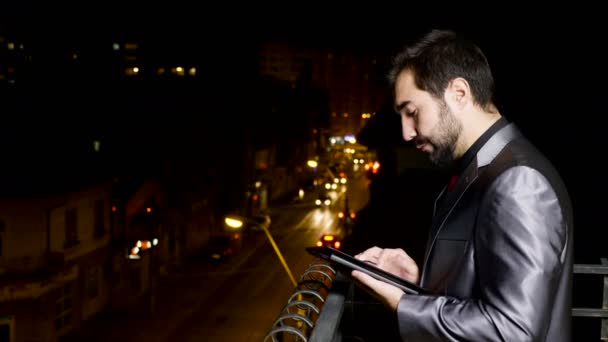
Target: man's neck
x=473 y=129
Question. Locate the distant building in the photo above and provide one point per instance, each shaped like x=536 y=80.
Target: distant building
x=352 y=79
x=66 y=258
x=54 y=263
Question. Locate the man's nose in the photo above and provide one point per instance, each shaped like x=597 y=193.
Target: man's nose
x=407 y=129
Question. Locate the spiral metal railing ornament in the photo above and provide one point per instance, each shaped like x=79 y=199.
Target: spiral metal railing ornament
x=298 y=317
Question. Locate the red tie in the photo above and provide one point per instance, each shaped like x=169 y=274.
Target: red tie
x=453 y=181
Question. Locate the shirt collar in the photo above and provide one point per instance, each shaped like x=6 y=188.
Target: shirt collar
x=467 y=158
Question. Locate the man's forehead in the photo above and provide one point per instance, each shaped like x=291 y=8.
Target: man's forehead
x=404 y=89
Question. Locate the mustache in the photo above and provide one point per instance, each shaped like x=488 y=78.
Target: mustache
x=421 y=140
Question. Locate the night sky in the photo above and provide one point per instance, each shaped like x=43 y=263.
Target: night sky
x=549 y=67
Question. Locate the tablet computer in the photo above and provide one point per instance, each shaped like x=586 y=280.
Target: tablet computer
x=349 y=263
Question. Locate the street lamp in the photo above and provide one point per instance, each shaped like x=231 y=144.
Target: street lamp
x=237 y=223
x=233 y=222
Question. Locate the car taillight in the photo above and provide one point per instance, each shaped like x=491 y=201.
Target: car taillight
x=337 y=244
x=319 y=243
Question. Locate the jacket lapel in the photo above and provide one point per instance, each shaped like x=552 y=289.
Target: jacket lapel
x=446 y=201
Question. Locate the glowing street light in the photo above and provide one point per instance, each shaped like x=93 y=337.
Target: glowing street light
x=312 y=163
x=234 y=223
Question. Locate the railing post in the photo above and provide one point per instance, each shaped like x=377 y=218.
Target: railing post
x=604 y=333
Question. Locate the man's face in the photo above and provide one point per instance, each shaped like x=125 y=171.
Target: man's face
x=428 y=121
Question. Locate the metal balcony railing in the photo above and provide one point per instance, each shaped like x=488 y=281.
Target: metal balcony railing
x=335 y=320
x=299 y=316
x=595 y=312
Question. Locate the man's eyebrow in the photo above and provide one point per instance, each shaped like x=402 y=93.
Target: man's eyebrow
x=401 y=105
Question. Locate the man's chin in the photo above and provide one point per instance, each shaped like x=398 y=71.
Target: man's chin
x=441 y=163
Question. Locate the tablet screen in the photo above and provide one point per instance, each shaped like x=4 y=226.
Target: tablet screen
x=344 y=260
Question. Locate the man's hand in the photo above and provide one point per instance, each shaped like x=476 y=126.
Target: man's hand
x=394 y=261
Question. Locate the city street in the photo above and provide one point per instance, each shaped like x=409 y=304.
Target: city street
x=238 y=299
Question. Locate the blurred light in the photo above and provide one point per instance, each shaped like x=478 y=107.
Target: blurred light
x=318 y=202
x=233 y=223
x=337 y=244
x=255 y=197
x=336 y=180
x=340 y=214
x=113 y=208
x=334 y=186
x=134 y=250
x=155 y=242
x=138 y=244
x=148 y=210
x=352 y=215
x=343 y=180
x=192 y=71
x=236 y=236
x=10 y=46
x=160 y=71
x=258 y=184
x=327 y=202
x=115 y=46
x=312 y=163
x=179 y=71
x=327 y=186
x=328 y=238
x=131 y=46
x=319 y=243
x=96 y=145
x=132 y=71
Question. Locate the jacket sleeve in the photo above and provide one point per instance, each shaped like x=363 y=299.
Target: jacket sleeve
x=520 y=241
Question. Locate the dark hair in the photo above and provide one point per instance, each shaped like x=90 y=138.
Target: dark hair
x=439 y=57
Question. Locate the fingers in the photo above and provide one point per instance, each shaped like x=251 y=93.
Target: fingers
x=393 y=260
x=371 y=254
x=385 y=292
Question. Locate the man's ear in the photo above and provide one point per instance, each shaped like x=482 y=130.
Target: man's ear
x=458 y=93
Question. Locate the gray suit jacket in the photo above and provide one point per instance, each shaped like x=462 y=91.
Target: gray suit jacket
x=499 y=257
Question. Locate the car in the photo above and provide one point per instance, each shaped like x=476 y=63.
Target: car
x=346 y=220
x=323 y=200
x=330 y=240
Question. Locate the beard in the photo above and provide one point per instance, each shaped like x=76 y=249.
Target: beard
x=443 y=138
